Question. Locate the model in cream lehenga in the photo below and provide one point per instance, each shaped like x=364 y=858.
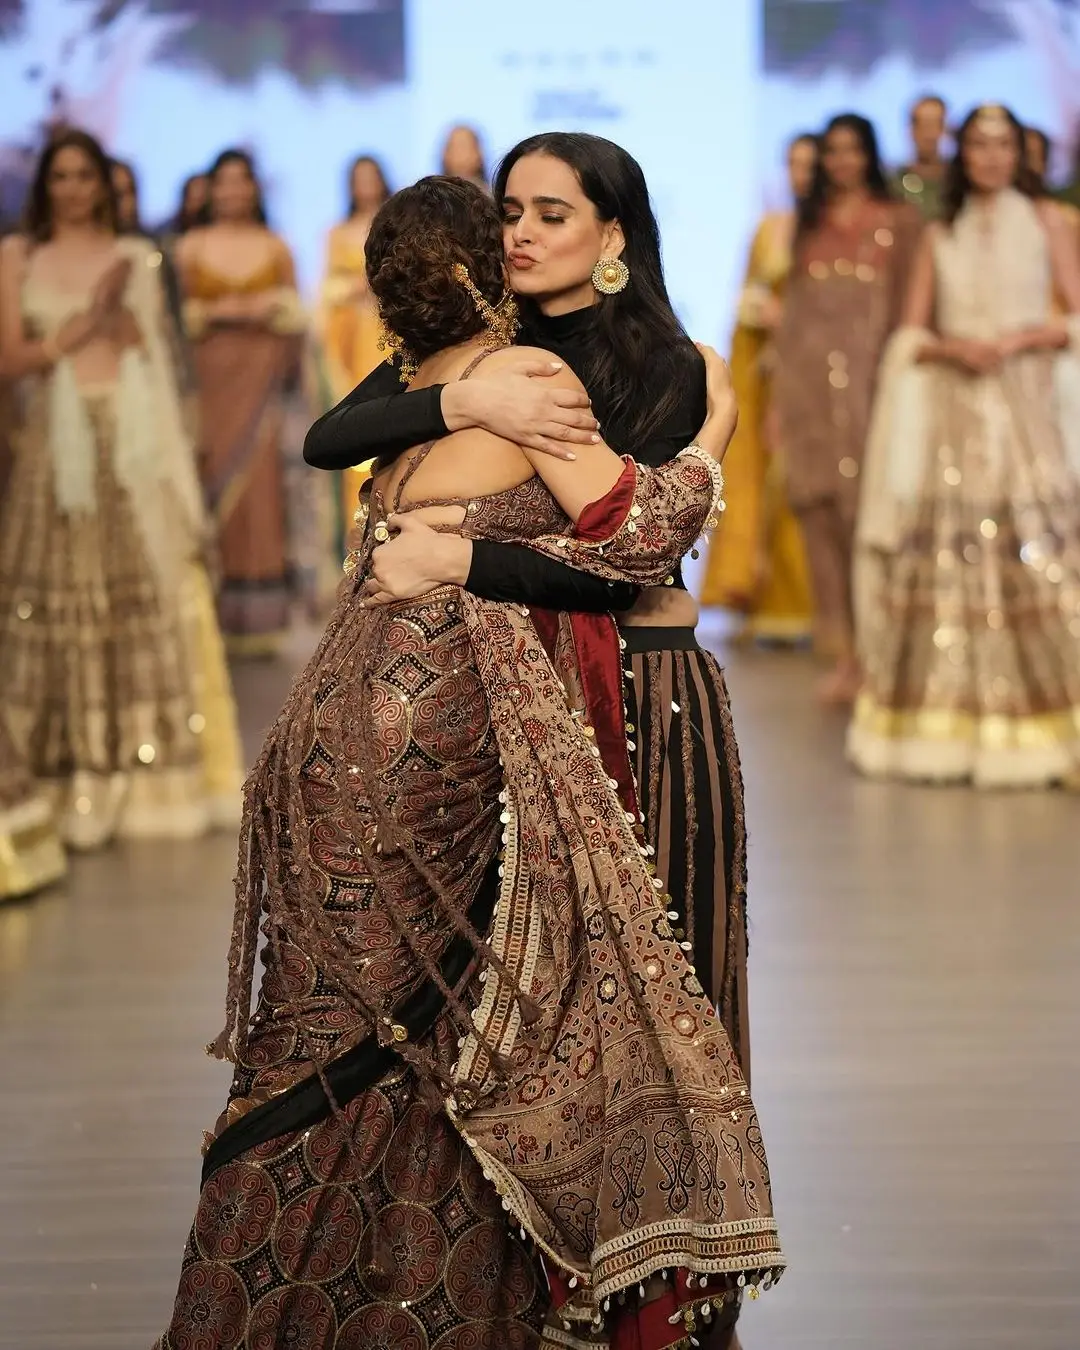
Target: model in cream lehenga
x=968 y=553
x=116 y=695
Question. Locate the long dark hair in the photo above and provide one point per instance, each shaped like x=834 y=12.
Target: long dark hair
x=236 y=156
x=812 y=207
x=954 y=192
x=810 y=138
x=1038 y=180
x=350 y=209
x=637 y=353
x=37 y=217
x=182 y=221
x=124 y=167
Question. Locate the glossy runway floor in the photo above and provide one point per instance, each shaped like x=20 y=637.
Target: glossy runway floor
x=915 y=981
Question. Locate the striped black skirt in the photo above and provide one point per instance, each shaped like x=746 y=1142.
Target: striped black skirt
x=686 y=761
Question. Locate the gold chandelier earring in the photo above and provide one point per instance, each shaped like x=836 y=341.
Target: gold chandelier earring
x=501 y=320
x=392 y=345
x=610 y=276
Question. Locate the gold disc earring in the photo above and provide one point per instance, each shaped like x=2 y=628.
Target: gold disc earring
x=610 y=276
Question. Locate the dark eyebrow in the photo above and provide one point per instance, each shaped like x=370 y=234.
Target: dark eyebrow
x=539 y=201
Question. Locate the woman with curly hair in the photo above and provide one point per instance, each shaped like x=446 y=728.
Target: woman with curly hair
x=481 y=1077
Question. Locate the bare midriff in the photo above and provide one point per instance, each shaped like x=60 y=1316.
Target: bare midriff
x=97 y=363
x=661 y=607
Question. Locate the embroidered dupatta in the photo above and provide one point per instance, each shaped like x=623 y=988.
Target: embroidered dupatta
x=624 y=1140
x=594 y=1084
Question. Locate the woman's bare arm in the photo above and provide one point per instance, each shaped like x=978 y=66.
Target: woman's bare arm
x=1064 y=255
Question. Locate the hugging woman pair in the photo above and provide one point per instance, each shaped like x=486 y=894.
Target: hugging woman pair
x=485 y=1097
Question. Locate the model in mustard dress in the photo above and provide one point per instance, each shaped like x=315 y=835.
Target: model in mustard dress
x=348 y=321
x=757 y=564
x=246 y=325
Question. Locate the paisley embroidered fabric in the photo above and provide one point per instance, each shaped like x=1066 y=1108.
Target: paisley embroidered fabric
x=611 y=1116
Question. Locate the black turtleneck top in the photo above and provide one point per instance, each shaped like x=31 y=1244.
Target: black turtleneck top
x=379 y=418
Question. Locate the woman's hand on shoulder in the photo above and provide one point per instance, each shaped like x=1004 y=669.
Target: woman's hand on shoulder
x=596 y=468
x=531 y=399
x=722 y=408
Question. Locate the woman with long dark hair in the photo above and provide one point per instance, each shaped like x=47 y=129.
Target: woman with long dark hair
x=194 y=204
x=463 y=156
x=115 y=689
x=853 y=246
x=125 y=185
x=125 y=182
x=583 y=254
x=968 y=571
x=1038 y=149
x=1038 y=153
x=244 y=318
x=479 y=1049
x=757 y=562
x=347 y=322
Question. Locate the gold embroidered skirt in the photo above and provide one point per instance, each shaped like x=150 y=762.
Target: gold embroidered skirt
x=31 y=855
x=100 y=675
x=971 y=643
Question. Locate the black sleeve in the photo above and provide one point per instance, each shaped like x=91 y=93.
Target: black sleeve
x=377 y=418
x=514 y=572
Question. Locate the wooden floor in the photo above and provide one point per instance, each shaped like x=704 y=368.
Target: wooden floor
x=915 y=969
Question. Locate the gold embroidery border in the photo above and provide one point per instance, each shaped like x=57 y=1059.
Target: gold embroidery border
x=997 y=731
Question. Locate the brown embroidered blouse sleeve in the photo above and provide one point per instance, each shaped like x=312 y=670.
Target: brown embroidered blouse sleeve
x=641 y=529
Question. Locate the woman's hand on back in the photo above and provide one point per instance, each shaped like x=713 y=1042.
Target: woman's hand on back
x=414 y=560
x=520 y=405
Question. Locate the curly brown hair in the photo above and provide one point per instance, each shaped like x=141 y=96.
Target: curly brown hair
x=414 y=243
